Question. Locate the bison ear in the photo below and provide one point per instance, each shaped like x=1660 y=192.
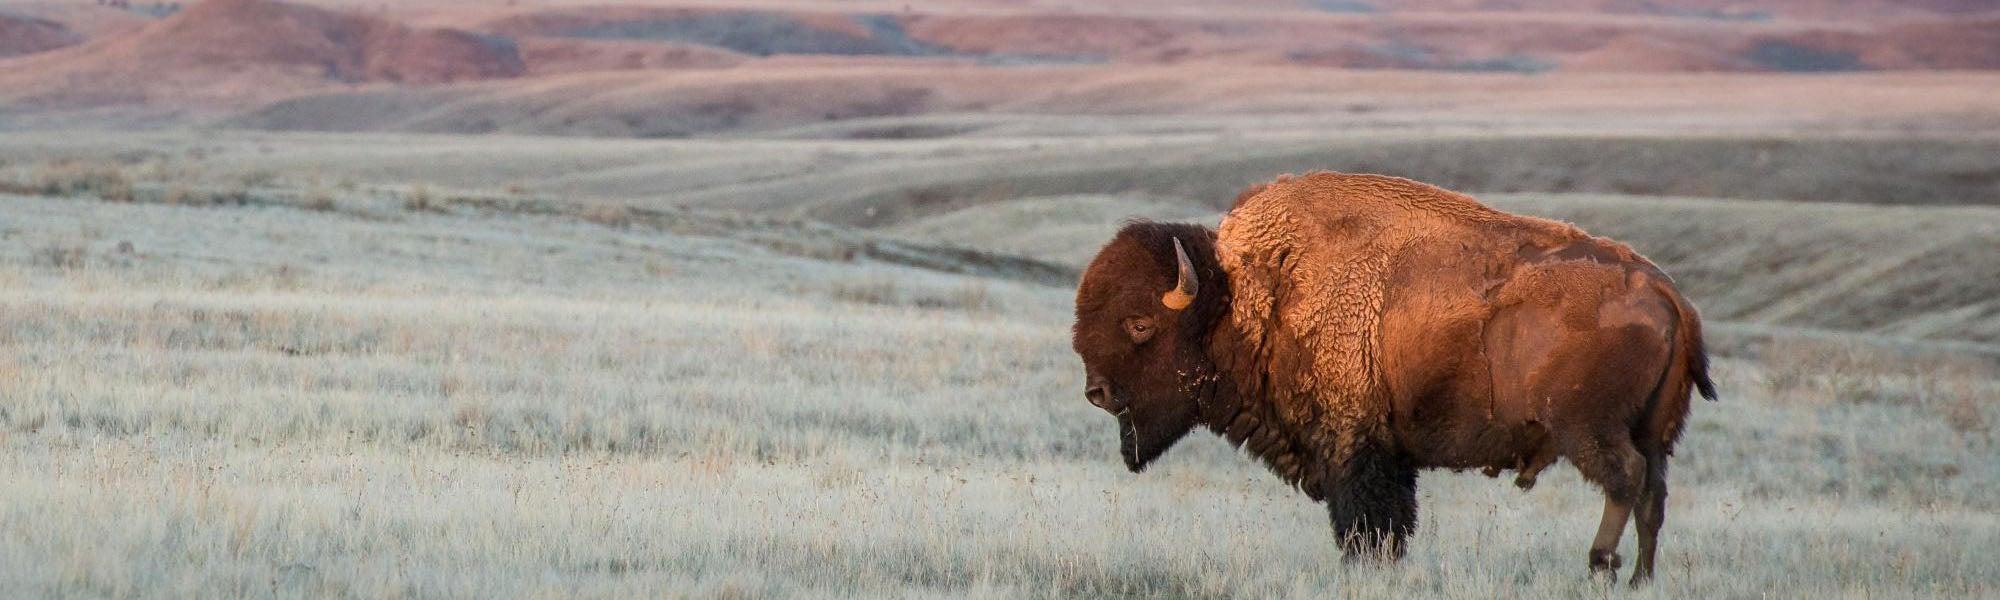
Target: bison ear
x=1187 y=286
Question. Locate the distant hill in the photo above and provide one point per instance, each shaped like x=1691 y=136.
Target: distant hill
x=1455 y=36
x=237 y=51
x=28 y=35
x=1750 y=10
x=661 y=68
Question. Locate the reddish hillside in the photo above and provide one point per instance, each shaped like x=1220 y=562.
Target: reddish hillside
x=1969 y=43
x=1106 y=36
x=754 y=32
x=1823 y=10
x=776 y=63
x=236 y=51
x=1474 y=41
x=88 y=19
x=28 y=35
x=1461 y=35
x=554 y=55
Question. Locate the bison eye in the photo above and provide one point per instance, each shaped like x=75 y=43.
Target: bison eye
x=1140 y=328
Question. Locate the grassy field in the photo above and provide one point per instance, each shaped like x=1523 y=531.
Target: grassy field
x=376 y=397
x=1887 y=236
x=771 y=298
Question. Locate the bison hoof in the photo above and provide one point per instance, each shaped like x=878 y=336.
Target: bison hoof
x=1604 y=561
x=1490 y=471
x=1524 y=482
x=1641 y=578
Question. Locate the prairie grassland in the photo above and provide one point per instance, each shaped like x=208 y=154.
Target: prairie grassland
x=1203 y=160
x=274 y=401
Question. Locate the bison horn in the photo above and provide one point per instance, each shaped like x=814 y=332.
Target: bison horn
x=1184 y=290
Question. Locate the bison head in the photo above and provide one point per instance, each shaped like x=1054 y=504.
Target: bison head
x=1143 y=312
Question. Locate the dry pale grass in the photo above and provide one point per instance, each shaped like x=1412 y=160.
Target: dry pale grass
x=1194 y=160
x=492 y=405
x=775 y=95
x=1065 y=230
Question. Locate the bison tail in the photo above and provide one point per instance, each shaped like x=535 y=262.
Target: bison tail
x=1687 y=373
x=1698 y=365
x=1694 y=350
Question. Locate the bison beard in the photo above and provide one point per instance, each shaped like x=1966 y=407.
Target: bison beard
x=1128 y=443
x=1142 y=442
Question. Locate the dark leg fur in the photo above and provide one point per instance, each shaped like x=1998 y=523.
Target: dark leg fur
x=1615 y=465
x=1652 y=512
x=1374 y=506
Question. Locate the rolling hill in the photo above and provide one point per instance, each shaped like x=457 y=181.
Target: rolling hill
x=28 y=35
x=223 y=53
x=664 y=69
x=1887 y=238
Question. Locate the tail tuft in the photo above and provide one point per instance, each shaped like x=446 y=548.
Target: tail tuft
x=1698 y=367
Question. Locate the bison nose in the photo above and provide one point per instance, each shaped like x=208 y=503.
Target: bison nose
x=1100 y=396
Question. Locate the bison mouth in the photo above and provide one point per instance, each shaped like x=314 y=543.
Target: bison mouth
x=1128 y=441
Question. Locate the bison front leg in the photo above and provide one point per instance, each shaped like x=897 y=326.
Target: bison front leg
x=1373 y=503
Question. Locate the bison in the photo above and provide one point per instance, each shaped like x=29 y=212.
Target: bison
x=1351 y=330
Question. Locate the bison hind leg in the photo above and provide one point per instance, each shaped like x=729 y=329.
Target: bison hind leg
x=1652 y=512
x=1616 y=466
